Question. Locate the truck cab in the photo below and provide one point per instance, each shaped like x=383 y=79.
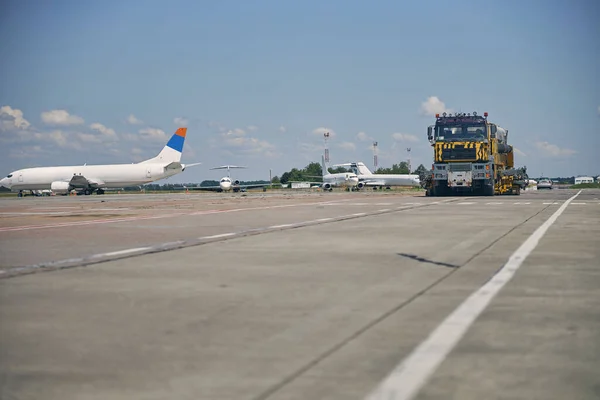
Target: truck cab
x=471 y=156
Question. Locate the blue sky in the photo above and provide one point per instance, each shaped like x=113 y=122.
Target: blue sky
x=258 y=82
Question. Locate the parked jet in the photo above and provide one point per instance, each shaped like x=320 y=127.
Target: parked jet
x=347 y=180
x=367 y=178
x=90 y=178
x=226 y=183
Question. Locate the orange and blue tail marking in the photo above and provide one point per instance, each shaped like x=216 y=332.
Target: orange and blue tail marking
x=176 y=141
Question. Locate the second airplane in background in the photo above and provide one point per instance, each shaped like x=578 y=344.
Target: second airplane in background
x=346 y=180
x=367 y=178
x=226 y=184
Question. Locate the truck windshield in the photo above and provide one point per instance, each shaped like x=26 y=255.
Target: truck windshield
x=453 y=132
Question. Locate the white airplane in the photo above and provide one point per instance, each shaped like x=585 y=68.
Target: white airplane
x=90 y=178
x=367 y=178
x=348 y=180
x=226 y=183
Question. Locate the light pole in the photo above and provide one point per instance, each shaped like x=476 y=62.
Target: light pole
x=326 y=138
x=375 y=155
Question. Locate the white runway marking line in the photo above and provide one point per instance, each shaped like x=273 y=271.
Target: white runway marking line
x=122 y=252
x=222 y=235
x=494 y=203
x=323 y=219
x=358 y=214
x=280 y=226
x=465 y=203
x=412 y=373
x=141 y=218
x=384 y=210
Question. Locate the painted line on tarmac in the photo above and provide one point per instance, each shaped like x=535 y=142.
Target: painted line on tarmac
x=122 y=252
x=149 y=217
x=139 y=251
x=407 y=379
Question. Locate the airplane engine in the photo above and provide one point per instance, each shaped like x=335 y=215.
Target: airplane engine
x=59 y=187
x=326 y=186
x=360 y=185
x=236 y=182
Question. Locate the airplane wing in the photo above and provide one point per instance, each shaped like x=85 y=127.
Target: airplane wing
x=80 y=181
x=174 y=165
x=344 y=165
x=210 y=188
x=311 y=182
x=373 y=182
x=257 y=185
x=184 y=166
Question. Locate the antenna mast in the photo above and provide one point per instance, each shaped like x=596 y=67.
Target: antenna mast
x=325 y=139
x=375 y=155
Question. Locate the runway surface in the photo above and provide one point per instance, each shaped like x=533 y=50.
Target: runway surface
x=303 y=296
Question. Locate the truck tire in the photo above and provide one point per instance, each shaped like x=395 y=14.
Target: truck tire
x=488 y=190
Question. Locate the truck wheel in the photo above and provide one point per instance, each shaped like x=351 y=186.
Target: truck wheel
x=488 y=190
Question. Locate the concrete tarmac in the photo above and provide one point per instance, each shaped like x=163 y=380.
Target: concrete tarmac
x=318 y=296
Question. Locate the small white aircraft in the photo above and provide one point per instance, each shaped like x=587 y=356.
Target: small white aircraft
x=226 y=183
x=348 y=180
x=89 y=178
x=367 y=178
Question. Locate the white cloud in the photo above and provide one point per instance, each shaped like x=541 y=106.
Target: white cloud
x=363 y=137
x=404 y=137
x=349 y=146
x=88 y=137
x=26 y=152
x=433 y=105
x=61 y=117
x=553 y=150
x=104 y=130
x=214 y=124
x=132 y=120
x=250 y=145
x=11 y=118
x=252 y=128
x=60 y=138
x=153 y=134
x=321 y=131
x=181 y=121
x=234 y=132
x=282 y=129
x=309 y=147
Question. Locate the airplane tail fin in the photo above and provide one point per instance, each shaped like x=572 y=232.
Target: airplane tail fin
x=171 y=153
x=324 y=166
x=362 y=169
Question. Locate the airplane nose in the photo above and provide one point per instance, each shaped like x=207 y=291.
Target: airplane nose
x=4 y=182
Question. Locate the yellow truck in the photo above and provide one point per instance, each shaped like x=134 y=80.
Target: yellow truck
x=471 y=156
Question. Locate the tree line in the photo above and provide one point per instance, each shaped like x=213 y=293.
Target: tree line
x=314 y=171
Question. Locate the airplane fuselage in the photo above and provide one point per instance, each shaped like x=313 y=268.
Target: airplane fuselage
x=390 y=179
x=340 y=180
x=110 y=176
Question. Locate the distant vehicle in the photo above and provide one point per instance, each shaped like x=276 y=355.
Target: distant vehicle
x=584 y=179
x=87 y=179
x=544 y=183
